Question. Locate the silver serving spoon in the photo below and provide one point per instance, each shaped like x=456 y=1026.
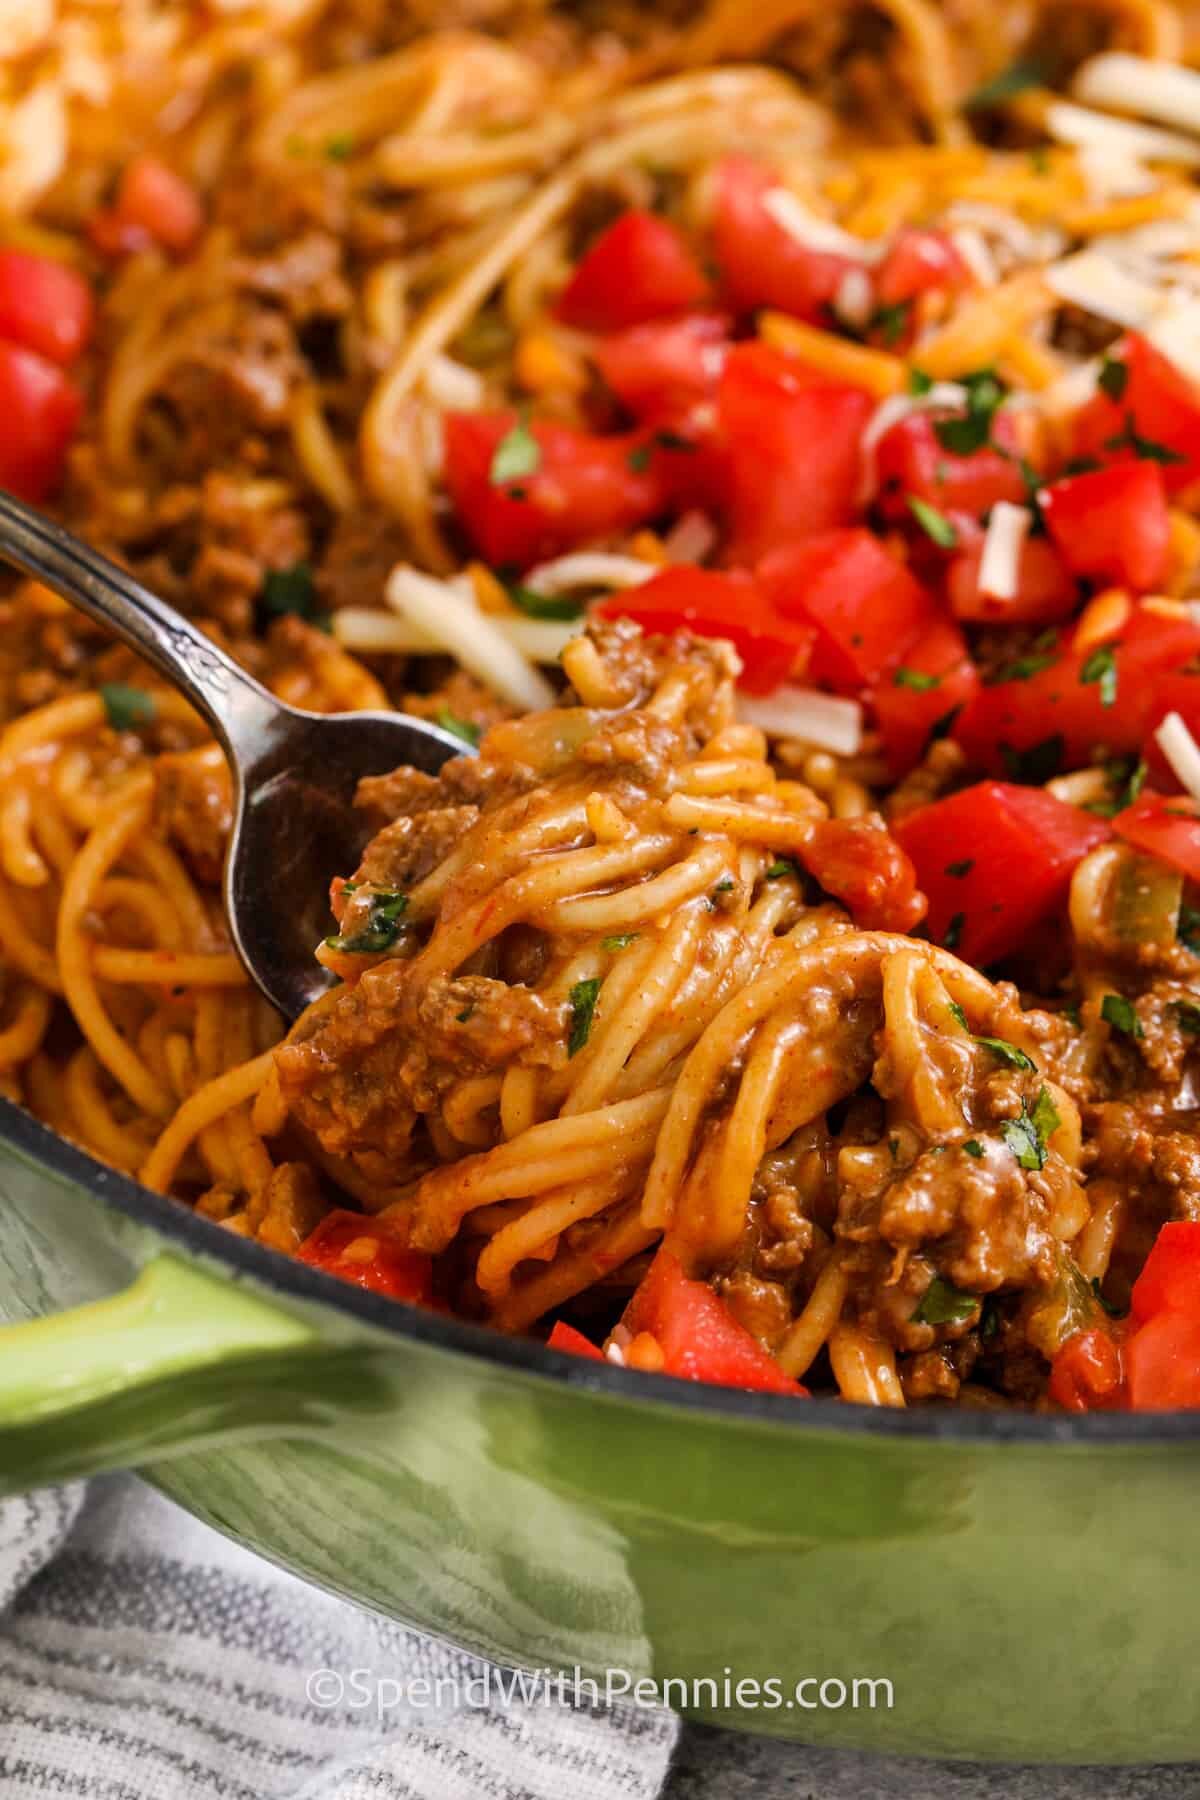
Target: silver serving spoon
x=294 y=772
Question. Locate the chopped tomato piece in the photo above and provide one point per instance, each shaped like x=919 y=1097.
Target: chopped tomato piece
x=154 y=205
x=44 y=305
x=661 y=371
x=867 y=608
x=1112 y=524
x=1166 y=826
x=39 y=410
x=698 y=1335
x=1170 y=1277
x=1065 y=704
x=1162 y=1363
x=862 y=865
x=565 y=1337
x=579 y=487
x=360 y=1249
x=918 y=262
x=710 y=604
x=935 y=680
x=1160 y=404
x=640 y=268
x=761 y=263
x=1086 y=1372
x=911 y=462
x=794 y=444
x=995 y=860
x=1047 y=592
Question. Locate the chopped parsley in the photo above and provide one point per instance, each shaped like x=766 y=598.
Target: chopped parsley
x=891 y=322
x=944 y=1304
x=518 y=453
x=1046 y=1120
x=973 y=1147
x=1038 y=764
x=468 y=1012
x=543 y=606
x=954 y=931
x=459 y=728
x=970 y=431
x=1022 y=668
x=1188 y=929
x=339 y=147
x=783 y=865
x=1026 y=72
x=385 y=909
x=1126 y=777
x=127 y=707
x=958 y=869
x=917 y=679
x=1145 y=448
x=1119 y=1012
x=620 y=940
x=918 y=381
x=638 y=459
x=1114 y=377
x=1024 y=1140
x=583 y=1005
x=291 y=591
x=1187 y=1014
x=1114 y=1312
x=933 y=523
x=1008 y=1053
x=1101 y=667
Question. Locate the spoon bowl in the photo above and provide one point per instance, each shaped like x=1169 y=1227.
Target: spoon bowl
x=295 y=772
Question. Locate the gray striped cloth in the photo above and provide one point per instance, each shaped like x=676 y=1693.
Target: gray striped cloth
x=144 y=1657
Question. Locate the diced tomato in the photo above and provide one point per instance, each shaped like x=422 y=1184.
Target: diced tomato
x=1161 y=404
x=794 y=443
x=698 y=1335
x=640 y=268
x=1049 y=704
x=935 y=680
x=1170 y=1277
x=583 y=487
x=1166 y=826
x=662 y=370
x=867 y=608
x=39 y=410
x=1112 y=524
x=710 y=604
x=918 y=262
x=995 y=860
x=1174 y=693
x=1086 y=1373
x=360 y=1249
x=1162 y=1363
x=153 y=205
x=910 y=462
x=565 y=1337
x=863 y=866
x=761 y=263
x=44 y=305
x=1047 y=592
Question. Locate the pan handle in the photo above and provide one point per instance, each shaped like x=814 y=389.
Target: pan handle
x=180 y=1359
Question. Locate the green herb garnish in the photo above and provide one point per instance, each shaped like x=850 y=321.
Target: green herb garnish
x=970 y=431
x=954 y=931
x=1145 y=448
x=517 y=454
x=958 y=869
x=1120 y=1013
x=917 y=679
x=1008 y=1053
x=583 y=1005
x=1114 y=377
x=1101 y=667
x=290 y=591
x=468 y=1012
x=338 y=148
x=918 y=381
x=127 y=707
x=1114 y=1312
x=1026 y=72
x=782 y=866
x=1046 y=1120
x=565 y=607
x=1022 y=668
x=385 y=910
x=638 y=459
x=620 y=940
x=944 y=1304
x=1126 y=777
x=891 y=322
x=1038 y=764
x=459 y=728
x=932 y=522
x=1188 y=929
x=1188 y=1015
x=973 y=1147
x=1024 y=1140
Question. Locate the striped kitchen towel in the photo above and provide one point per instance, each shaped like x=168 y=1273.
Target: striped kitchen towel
x=144 y=1657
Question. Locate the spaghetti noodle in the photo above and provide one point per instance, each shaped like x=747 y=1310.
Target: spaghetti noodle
x=399 y=356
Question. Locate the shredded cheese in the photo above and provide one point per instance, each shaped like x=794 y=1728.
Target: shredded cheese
x=814 y=232
x=1098 y=285
x=691 y=538
x=365 y=629
x=1176 y=333
x=451 y=618
x=1000 y=564
x=593 y=569
x=1165 y=91
x=1181 y=751
x=972 y=246
x=452 y=386
x=1078 y=125
x=825 y=720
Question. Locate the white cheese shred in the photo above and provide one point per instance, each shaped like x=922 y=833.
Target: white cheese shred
x=824 y=720
x=1000 y=564
x=1163 y=91
x=1181 y=751
x=453 y=621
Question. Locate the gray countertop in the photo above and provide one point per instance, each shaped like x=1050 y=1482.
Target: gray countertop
x=717 y=1765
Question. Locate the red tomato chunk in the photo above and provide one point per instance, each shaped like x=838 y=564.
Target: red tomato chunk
x=711 y=604
x=762 y=264
x=698 y=1335
x=39 y=411
x=639 y=269
x=863 y=866
x=1113 y=524
x=361 y=1250
x=933 y=683
x=865 y=607
x=1165 y=826
x=44 y=306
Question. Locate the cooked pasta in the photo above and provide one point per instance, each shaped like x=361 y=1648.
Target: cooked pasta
x=771 y=438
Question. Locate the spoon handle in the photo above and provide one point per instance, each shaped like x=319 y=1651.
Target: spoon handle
x=239 y=710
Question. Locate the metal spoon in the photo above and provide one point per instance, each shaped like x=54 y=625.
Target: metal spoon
x=294 y=772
